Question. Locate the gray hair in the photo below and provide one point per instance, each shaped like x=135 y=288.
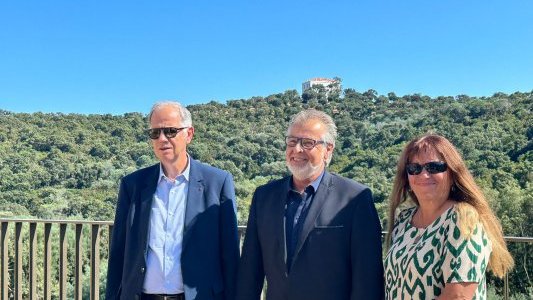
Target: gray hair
x=184 y=113
x=312 y=114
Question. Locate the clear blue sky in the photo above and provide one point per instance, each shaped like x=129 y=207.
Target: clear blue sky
x=121 y=56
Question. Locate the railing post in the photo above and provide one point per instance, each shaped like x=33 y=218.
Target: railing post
x=18 y=261
x=506 y=287
x=109 y=237
x=63 y=261
x=95 y=262
x=47 y=260
x=5 y=272
x=79 y=263
x=33 y=269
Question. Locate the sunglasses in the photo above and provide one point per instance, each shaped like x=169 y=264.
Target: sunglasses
x=433 y=167
x=169 y=132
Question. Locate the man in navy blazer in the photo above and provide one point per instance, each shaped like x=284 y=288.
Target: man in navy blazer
x=313 y=235
x=175 y=231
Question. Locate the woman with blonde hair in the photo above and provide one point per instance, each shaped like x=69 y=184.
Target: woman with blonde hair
x=441 y=247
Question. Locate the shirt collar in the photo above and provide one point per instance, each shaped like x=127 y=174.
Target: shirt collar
x=315 y=184
x=185 y=172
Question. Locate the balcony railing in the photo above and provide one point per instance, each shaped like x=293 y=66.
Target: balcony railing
x=20 y=271
x=12 y=267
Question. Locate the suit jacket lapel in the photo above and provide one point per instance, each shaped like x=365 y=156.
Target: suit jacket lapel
x=146 y=199
x=195 y=203
x=314 y=210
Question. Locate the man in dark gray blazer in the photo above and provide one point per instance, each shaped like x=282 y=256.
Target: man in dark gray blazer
x=314 y=235
x=175 y=231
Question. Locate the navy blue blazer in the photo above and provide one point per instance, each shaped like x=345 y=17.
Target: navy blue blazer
x=210 y=251
x=338 y=254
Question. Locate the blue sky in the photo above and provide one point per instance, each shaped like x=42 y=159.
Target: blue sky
x=121 y=56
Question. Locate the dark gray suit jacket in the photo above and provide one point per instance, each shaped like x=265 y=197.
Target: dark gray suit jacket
x=337 y=257
x=210 y=240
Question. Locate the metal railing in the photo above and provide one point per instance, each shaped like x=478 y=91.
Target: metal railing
x=14 y=273
x=15 y=290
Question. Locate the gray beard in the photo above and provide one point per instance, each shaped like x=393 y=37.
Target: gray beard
x=302 y=173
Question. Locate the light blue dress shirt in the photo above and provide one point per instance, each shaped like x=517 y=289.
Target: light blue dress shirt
x=167 y=218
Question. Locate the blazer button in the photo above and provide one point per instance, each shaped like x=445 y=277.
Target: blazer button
x=142 y=269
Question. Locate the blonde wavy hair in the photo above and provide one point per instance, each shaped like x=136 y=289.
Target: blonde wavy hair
x=472 y=206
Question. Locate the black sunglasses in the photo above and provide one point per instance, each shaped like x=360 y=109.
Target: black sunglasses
x=306 y=143
x=433 y=167
x=169 y=132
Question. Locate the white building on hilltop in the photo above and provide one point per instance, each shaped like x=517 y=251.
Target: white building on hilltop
x=328 y=84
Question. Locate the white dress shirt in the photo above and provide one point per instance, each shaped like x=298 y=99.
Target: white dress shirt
x=167 y=218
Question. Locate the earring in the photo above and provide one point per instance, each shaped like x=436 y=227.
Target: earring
x=453 y=188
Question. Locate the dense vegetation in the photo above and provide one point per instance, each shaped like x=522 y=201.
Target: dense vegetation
x=68 y=165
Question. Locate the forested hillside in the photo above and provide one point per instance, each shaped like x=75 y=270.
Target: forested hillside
x=69 y=165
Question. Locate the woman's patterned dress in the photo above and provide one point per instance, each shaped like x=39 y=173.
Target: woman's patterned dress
x=421 y=261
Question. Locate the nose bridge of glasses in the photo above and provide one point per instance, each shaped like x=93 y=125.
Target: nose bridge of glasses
x=161 y=134
x=171 y=132
x=433 y=168
x=424 y=170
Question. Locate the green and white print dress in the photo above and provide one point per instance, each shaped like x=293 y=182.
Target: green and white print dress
x=421 y=261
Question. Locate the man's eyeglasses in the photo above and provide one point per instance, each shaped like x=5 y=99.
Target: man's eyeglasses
x=306 y=143
x=169 y=132
x=433 y=167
